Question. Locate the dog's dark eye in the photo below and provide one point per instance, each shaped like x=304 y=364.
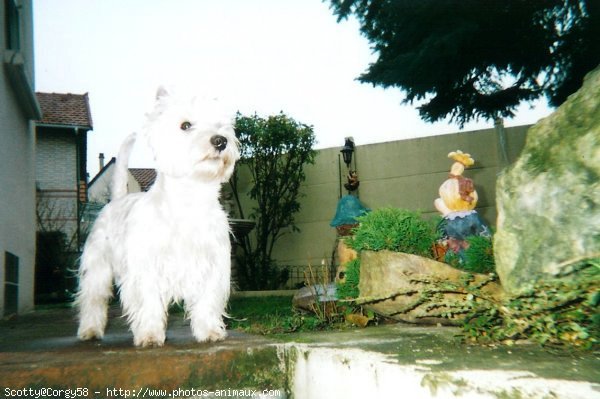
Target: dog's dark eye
x=185 y=125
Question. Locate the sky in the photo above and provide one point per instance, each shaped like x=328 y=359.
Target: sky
x=261 y=56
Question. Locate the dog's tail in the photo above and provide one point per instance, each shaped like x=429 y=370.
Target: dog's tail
x=121 y=173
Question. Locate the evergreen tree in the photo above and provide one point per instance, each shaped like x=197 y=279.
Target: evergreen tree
x=470 y=59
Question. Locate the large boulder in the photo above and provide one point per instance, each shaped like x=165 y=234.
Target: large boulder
x=549 y=200
x=414 y=289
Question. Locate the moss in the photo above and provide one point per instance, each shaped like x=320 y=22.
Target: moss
x=537 y=161
x=349 y=288
x=245 y=369
x=439 y=380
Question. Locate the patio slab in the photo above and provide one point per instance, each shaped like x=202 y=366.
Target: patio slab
x=40 y=350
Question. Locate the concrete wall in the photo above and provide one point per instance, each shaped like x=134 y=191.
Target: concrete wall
x=17 y=171
x=404 y=174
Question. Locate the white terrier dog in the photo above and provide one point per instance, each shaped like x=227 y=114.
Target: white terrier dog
x=171 y=243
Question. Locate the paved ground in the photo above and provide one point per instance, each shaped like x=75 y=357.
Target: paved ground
x=55 y=329
x=40 y=350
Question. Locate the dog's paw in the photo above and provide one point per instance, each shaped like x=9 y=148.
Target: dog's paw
x=88 y=334
x=212 y=336
x=149 y=340
x=219 y=335
x=150 y=343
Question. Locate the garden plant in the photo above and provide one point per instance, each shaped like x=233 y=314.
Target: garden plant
x=556 y=312
x=274 y=151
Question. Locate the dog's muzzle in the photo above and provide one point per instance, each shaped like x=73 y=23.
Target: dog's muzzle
x=219 y=142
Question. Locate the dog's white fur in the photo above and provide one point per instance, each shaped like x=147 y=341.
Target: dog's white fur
x=171 y=243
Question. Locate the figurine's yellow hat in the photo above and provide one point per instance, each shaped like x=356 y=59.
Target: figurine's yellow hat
x=461 y=157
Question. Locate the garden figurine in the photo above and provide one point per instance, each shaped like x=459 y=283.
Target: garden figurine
x=457 y=202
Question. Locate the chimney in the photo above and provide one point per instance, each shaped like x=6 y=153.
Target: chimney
x=101 y=160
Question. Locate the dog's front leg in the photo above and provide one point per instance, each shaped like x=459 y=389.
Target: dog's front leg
x=146 y=310
x=205 y=307
x=206 y=322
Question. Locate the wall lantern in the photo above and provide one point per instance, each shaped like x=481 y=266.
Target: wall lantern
x=347 y=151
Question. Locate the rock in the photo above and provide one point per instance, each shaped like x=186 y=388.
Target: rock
x=307 y=297
x=345 y=254
x=357 y=319
x=549 y=201
x=419 y=290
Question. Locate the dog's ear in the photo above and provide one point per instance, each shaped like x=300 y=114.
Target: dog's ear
x=161 y=92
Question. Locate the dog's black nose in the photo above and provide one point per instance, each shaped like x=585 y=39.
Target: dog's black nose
x=219 y=142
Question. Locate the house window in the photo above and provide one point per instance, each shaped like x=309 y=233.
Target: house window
x=11 y=283
x=11 y=23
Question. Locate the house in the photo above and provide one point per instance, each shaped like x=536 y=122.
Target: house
x=140 y=180
x=61 y=186
x=61 y=162
x=18 y=109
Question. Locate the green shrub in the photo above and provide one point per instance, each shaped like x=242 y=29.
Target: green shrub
x=477 y=258
x=562 y=311
x=349 y=288
x=398 y=230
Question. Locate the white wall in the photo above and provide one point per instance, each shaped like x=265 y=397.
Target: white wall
x=17 y=172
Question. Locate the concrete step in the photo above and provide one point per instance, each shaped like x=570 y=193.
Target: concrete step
x=39 y=351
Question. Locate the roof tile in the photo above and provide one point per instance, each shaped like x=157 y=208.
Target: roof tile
x=65 y=109
x=145 y=177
